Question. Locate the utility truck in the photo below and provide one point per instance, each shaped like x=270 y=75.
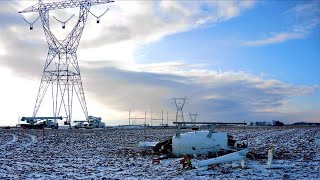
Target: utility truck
x=40 y=122
x=90 y=123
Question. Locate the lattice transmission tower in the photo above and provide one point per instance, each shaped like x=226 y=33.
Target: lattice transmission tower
x=193 y=117
x=61 y=71
x=179 y=102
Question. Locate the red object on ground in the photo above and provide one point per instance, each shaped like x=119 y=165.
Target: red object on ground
x=156 y=160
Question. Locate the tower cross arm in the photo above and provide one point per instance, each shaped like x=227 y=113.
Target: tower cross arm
x=63 y=5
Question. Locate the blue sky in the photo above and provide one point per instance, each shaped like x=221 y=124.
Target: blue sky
x=235 y=60
x=219 y=45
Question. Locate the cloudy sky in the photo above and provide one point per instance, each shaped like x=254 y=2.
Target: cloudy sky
x=235 y=60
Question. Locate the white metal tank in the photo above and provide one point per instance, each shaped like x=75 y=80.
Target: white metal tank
x=199 y=142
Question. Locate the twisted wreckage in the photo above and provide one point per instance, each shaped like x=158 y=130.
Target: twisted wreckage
x=220 y=147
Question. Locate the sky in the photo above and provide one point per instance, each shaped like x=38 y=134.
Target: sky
x=235 y=60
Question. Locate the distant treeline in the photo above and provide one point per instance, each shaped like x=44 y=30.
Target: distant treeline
x=279 y=123
x=265 y=123
x=306 y=123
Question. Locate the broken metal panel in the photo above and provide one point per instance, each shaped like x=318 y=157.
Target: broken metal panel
x=198 y=143
x=236 y=156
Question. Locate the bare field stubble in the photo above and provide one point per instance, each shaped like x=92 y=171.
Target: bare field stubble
x=112 y=154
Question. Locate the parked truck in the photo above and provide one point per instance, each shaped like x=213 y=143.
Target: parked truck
x=40 y=122
x=90 y=123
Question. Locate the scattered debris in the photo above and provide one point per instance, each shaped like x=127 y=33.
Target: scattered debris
x=103 y=153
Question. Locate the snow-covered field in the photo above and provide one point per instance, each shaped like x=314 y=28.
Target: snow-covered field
x=112 y=154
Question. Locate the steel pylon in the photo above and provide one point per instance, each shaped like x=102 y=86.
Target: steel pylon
x=193 y=117
x=61 y=71
x=179 y=102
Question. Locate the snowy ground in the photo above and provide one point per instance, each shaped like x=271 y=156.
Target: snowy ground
x=112 y=154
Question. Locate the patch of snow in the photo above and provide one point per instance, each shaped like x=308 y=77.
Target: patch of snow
x=13 y=140
x=108 y=153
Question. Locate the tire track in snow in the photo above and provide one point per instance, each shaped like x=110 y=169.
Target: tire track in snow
x=13 y=140
x=33 y=140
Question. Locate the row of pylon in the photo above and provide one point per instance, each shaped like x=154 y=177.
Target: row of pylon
x=164 y=121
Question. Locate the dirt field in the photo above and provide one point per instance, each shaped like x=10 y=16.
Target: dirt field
x=113 y=154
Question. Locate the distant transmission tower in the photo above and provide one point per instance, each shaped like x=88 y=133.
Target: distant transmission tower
x=193 y=117
x=139 y=118
x=179 y=102
x=61 y=69
x=157 y=119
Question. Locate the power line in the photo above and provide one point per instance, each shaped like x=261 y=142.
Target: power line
x=61 y=71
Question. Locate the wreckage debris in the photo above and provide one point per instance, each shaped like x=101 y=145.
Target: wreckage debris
x=97 y=154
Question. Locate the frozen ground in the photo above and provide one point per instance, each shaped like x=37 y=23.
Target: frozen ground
x=111 y=154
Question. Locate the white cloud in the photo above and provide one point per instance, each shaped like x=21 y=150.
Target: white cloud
x=306 y=17
x=309 y=8
x=148 y=21
x=129 y=24
x=114 y=83
x=2 y=50
x=120 y=54
x=277 y=38
x=222 y=96
x=14 y=100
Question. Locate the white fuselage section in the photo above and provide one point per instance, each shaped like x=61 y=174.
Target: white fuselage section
x=198 y=142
